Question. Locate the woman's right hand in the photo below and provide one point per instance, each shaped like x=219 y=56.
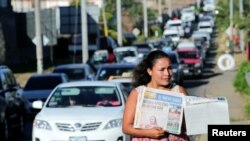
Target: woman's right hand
x=156 y=132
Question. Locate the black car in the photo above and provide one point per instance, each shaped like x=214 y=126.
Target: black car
x=11 y=106
x=38 y=87
x=76 y=72
x=105 y=71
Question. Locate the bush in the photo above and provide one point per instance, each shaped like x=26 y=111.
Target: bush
x=240 y=82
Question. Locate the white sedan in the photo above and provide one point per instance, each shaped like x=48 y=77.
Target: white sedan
x=96 y=113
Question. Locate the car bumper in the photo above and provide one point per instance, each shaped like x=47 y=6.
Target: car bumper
x=194 y=71
x=114 y=134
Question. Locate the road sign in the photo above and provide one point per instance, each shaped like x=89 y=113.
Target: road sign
x=45 y=40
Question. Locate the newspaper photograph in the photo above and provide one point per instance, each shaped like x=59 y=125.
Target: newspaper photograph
x=159 y=108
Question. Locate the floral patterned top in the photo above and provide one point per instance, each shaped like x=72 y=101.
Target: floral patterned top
x=168 y=136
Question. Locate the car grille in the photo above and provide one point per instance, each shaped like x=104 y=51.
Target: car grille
x=70 y=128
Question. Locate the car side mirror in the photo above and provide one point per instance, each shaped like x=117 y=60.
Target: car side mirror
x=37 y=104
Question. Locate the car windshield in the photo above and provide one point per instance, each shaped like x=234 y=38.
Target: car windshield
x=72 y=73
x=105 y=73
x=86 y=96
x=42 y=83
x=128 y=53
x=99 y=58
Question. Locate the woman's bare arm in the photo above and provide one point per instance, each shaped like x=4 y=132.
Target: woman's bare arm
x=128 y=120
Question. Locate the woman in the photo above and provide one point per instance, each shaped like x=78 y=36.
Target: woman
x=154 y=71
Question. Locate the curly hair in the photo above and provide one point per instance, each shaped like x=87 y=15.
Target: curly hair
x=140 y=75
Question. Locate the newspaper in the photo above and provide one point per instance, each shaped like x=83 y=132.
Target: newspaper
x=165 y=109
x=201 y=112
x=159 y=108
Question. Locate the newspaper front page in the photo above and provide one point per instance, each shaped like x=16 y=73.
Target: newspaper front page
x=165 y=109
x=159 y=108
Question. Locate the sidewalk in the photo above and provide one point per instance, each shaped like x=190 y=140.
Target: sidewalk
x=222 y=85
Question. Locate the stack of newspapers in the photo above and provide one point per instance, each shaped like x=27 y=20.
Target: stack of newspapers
x=166 y=109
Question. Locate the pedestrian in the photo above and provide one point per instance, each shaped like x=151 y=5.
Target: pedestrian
x=111 y=56
x=72 y=101
x=155 y=71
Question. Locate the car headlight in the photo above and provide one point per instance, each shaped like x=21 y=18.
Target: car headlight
x=197 y=65
x=113 y=124
x=41 y=124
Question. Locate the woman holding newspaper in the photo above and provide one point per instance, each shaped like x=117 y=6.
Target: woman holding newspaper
x=154 y=71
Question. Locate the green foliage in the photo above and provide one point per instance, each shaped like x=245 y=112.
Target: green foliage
x=140 y=39
x=222 y=19
x=247 y=109
x=75 y=2
x=154 y=29
x=240 y=82
x=132 y=8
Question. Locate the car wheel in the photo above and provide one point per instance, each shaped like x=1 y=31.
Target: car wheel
x=20 y=129
x=6 y=130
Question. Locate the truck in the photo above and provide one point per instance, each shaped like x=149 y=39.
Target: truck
x=191 y=59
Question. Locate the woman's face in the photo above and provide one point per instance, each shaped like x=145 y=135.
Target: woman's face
x=152 y=120
x=161 y=72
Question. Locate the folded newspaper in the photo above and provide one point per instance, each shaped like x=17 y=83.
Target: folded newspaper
x=165 y=109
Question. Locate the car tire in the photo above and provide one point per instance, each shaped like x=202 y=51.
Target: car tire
x=19 y=131
x=4 y=135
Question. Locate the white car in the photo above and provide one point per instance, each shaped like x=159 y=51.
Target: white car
x=96 y=115
x=176 y=25
x=172 y=34
x=205 y=26
x=127 y=54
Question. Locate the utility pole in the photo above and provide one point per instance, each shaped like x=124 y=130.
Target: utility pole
x=198 y=3
x=241 y=9
x=39 y=50
x=231 y=18
x=160 y=10
x=231 y=45
x=84 y=21
x=145 y=15
x=75 y=31
x=169 y=6
x=104 y=19
x=119 y=22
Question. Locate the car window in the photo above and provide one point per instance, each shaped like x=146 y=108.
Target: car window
x=10 y=78
x=72 y=73
x=87 y=96
x=42 y=83
x=105 y=73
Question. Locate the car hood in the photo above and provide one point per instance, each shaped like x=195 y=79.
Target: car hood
x=81 y=113
x=36 y=94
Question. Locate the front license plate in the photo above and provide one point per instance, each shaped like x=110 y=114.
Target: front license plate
x=77 y=138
